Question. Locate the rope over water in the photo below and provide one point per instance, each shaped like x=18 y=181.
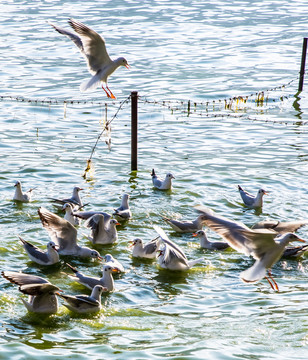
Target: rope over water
x=107 y=129
x=203 y=108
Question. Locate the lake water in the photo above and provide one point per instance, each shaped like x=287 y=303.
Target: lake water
x=202 y=51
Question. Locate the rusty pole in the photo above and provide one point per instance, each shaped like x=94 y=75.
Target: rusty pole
x=302 y=71
x=134 y=130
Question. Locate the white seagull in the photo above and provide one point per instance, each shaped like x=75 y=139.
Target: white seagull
x=210 y=245
x=42 y=299
x=50 y=257
x=172 y=256
x=262 y=244
x=123 y=212
x=148 y=250
x=69 y=214
x=294 y=251
x=102 y=232
x=19 y=195
x=250 y=200
x=75 y=199
x=185 y=226
x=93 y=47
x=84 y=304
x=89 y=281
x=64 y=235
x=160 y=184
x=111 y=261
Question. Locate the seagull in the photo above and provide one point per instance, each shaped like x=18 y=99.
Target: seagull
x=123 y=212
x=262 y=244
x=280 y=226
x=185 y=226
x=82 y=304
x=210 y=245
x=74 y=200
x=93 y=47
x=20 y=196
x=40 y=257
x=147 y=250
x=64 y=235
x=162 y=184
x=294 y=251
x=172 y=256
x=89 y=281
x=111 y=261
x=69 y=214
x=42 y=299
x=250 y=200
x=102 y=232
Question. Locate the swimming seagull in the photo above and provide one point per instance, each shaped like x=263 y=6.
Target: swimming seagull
x=111 y=261
x=69 y=214
x=102 y=232
x=40 y=257
x=294 y=251
x=172 y=256
x=93 y=47
x=64 y=235
x=19 y=195
x=185 y=226
x=210 y=245
x=160 y=184
x=250 y=200
x=42 y=299
x=262 y=244
x=280 y=226
x=89 y=281
x=82 y=304
x=148 y=250
x=74 y=200
x=123 y=212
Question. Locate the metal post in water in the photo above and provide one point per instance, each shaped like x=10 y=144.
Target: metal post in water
x=302 y=71
x=134 y=129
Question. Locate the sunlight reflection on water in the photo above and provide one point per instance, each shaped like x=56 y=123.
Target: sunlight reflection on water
x=182 y=51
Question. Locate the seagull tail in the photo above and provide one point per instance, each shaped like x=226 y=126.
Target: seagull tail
x=90 y=84
x=255 y=273
x=191 y=263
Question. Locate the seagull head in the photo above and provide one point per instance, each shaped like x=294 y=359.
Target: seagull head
x=123 y=62
x=169 y=175
x=135 y=242
x=199 y=233
x=52 y=245
x=289 y=237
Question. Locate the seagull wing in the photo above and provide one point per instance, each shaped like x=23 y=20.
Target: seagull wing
x=238 y=235
x=280 y=226
x=151 y=246
x=167 y=241
x=75 y=38
x=23 y=279
x=94 y=47
x=61 y=231
x=182 y=225
x=38 y=289
x=34 y=251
